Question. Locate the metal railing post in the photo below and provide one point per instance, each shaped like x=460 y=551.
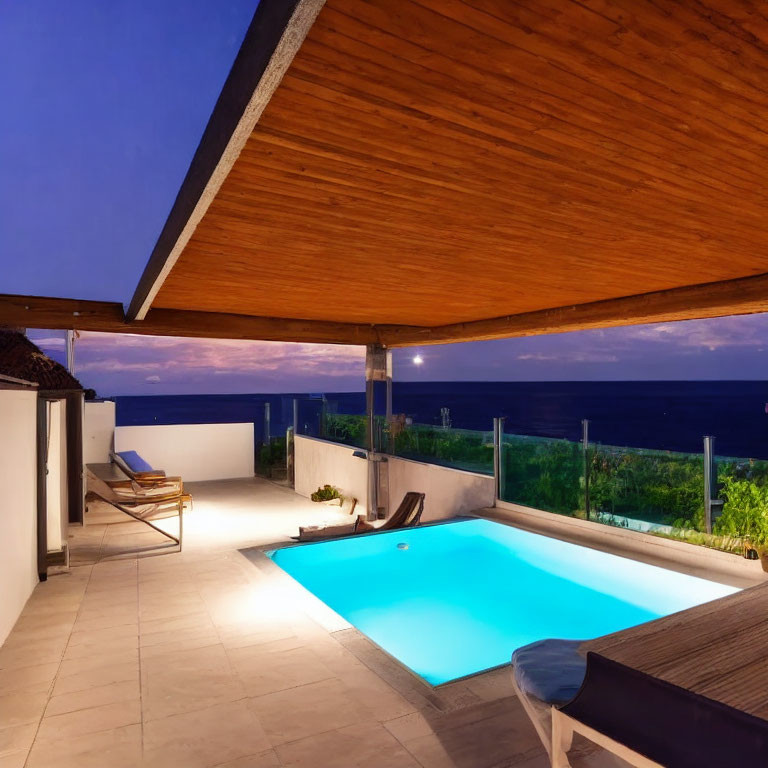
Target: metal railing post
x=290 y=465
x=498 y=431
x=585 y=450
x=709 y=479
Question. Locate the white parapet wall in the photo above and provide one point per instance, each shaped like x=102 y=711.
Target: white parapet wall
x=18 y=503
x=193 y=451
x=449 y=492
x=98 y=431
x=319 y=462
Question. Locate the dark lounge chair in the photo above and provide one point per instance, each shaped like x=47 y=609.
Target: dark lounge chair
x=649 y=722
x=407 y=515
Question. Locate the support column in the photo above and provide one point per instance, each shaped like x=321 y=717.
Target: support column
x=378 y=373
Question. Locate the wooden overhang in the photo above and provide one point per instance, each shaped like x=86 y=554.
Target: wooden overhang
x=426 y=171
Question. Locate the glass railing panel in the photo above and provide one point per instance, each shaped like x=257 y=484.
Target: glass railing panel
x=349 y=429
x=270 y=458
x=742 y=486
x=467 y=449
x=652 y=491
x=544 y=473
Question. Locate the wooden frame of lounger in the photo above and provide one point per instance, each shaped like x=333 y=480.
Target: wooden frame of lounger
x=153 y=501
x=628 y=712
x=149 y=476
x=563 y=729
x=559 y=741
x=147 y=479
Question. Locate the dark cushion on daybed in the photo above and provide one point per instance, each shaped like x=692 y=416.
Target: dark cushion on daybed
x=550 y=670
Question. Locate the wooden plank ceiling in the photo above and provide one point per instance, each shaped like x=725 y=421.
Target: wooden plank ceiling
x=435 y=162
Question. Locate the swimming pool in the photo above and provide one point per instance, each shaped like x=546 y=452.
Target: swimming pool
x=455 y=599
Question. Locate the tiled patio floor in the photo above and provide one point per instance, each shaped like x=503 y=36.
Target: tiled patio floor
x=202 y=658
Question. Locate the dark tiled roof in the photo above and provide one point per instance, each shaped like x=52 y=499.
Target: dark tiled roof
x=20 y=358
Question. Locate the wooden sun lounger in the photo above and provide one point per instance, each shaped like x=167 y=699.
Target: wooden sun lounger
x=651 y=723
x=149 y=478
x=407 y=515
x=689 y=689
x=144 y=476
x=144 y=504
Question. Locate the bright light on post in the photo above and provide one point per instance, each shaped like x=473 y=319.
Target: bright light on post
x=418 y=359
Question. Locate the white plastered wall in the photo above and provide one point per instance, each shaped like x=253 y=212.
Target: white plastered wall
x=18 y=503
x=193 y=451
x=449 y=492
x=319 y=462
x=98 y=431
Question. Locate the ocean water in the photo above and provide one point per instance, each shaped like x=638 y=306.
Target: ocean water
x=669 y=415
x=455 y=599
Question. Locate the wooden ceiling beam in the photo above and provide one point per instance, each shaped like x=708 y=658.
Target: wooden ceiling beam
x=275 y=34
x=742 y=296
x=71 y=314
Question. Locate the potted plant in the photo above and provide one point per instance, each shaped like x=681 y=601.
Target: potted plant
x=745 y=514
x=327 y=494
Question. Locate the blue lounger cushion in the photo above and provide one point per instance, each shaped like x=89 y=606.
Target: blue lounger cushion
x=134 y=461
x=550 y=670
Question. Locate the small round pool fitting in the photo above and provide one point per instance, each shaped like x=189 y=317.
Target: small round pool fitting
x=402 y=545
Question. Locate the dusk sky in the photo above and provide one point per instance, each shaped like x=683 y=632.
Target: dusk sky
x=724 y=348
x=103 y=107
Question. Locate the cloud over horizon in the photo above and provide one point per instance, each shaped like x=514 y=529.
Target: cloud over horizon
x=120 y=364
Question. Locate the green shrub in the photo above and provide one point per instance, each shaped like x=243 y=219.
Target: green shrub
x=458 y=448
x=345 y=428
x=326 y=493
x=745 y=513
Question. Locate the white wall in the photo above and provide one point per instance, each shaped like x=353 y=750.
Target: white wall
x=193 y=451
x=318 y=462
x=449 y=492
x=18 y=503
x=98 y=431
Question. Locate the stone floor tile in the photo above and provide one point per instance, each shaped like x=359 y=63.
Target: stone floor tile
x=32 y=653
x=73 y=725
x=307 y=710
x=268 y=759
x=96 y=676
x=116 y=748
x=14 y=759
x=187 y=681
x=34 y=679
x=270 y=668
x=367 y=745
x=127 y=690
x=205 y=737
x=17 y=738
x=21 y=708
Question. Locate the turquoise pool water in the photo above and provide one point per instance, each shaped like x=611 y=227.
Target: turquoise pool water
x=455 y=599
